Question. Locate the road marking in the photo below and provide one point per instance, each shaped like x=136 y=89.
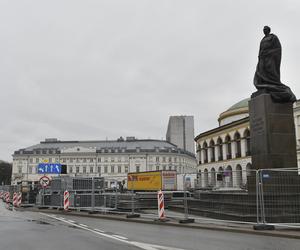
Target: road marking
x=119 y=236
x=114 y=237
x=83 y=225
x=71 y=221
x=96 y=229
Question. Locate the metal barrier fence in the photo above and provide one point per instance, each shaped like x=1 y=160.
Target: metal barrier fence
x=278 y=197
x=263 y=196
x=222 y=194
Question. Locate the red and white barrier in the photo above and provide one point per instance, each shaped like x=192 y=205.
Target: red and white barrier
x=161 y=205
x=19 y=199
x=66 y=200
x=7 y=197
x=15 y=198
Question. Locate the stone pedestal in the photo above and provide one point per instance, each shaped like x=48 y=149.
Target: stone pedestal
x=272 y=129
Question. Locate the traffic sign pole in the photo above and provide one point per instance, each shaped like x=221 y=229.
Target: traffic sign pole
x=44 y=182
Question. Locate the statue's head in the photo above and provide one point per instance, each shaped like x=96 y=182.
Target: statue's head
x=267 y=30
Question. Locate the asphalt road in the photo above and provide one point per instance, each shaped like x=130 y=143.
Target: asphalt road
x=42 y=231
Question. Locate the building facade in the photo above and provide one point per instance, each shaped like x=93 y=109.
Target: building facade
x=297 y=128
x=181 y=132
x=225 y=150
x=109 y=159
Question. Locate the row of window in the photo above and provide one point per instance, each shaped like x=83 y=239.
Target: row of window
x=106 y=169
x=92 y=160
x=216 y=150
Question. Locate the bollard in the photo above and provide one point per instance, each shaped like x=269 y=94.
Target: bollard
x=161 y=207
x=66 y=200
x=19 y=199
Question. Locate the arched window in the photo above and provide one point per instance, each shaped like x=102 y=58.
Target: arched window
x=205 y=177
x=237 y=140
x=248 y=169
x=239 y=175
x=228 y=147
x=228 y=176
x=205 y=160
x=212 y=150
x=220 y=177
x=220 y=149
x=247 y=138
x=213 y=177
x=199 y=153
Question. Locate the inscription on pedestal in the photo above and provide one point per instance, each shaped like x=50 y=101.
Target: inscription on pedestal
x=273 y=140
x=258 y=125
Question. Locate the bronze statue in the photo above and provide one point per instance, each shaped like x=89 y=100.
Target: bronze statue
x=267 y=75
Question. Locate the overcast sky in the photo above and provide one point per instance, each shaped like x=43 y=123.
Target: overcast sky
x=97 y=69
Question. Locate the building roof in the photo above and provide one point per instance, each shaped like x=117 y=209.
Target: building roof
x=221 y=128
x=143 y=144
x=239 y=108
x=241 y=104
x=129 y=145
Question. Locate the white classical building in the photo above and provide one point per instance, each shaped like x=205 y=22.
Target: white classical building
x=223 y=153
x=110 y=159
x=297 y=127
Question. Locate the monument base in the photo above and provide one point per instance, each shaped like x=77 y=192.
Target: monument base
x=272 y=129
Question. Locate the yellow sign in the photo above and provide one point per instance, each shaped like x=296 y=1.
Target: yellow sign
x=144 y=181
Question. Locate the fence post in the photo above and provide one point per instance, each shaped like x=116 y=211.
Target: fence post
x=262 y=198
x=186 y=215
x=257 y=197
x=93 y=194
x=132 y=215
x=261 y=219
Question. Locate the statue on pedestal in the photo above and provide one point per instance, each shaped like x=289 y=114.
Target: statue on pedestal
x=267 y=75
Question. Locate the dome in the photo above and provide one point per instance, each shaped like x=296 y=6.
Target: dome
x=236 y=112
x=241 y=104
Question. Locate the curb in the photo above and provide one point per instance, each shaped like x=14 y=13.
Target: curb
x=171 y=224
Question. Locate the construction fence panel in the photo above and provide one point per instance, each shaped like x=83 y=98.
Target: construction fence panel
x=223 y=194
x=279 y=196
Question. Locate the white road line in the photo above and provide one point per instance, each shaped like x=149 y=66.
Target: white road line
x=71 y=221
x=96 y=229
x=114 y=237
x=88 y=229
x=121 y=237
x=83 y=225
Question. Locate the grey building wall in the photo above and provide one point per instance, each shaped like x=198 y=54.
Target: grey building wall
x=181 y=132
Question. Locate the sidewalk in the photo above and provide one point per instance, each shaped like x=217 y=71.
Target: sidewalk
x=150 y=217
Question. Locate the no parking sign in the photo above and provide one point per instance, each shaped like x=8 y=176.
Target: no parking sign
x=45 y=181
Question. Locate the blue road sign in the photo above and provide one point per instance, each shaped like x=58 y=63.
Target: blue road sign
x=49 y=168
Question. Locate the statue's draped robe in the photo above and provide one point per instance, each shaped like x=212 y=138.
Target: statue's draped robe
x=267 y=75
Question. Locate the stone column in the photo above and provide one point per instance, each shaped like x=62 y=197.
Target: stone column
x=243 y=147
x=224 y=151
x=209 y=154
x=202 y=156
x=216 y=153
x=233 y=149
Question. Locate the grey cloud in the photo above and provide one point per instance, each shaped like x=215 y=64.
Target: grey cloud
x=103 y=69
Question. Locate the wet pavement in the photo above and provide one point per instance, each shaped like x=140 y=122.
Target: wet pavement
x=44 y=230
